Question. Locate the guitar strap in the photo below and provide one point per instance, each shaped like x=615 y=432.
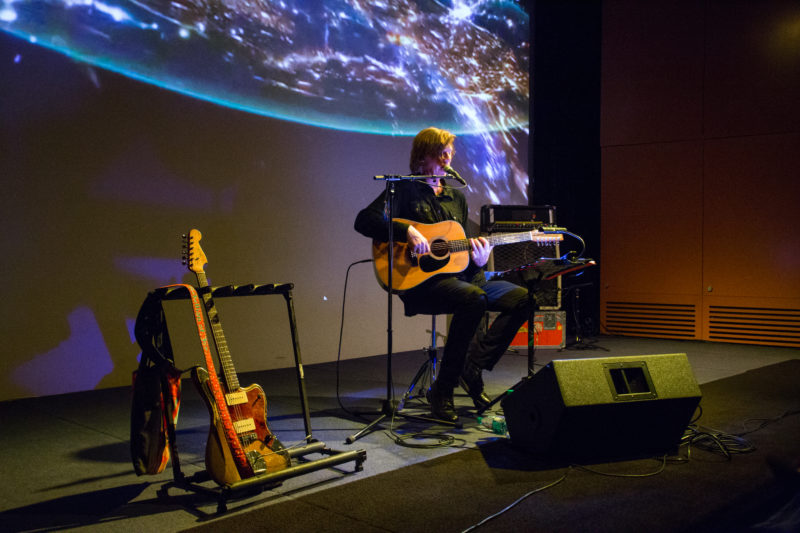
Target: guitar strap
x=219 y=396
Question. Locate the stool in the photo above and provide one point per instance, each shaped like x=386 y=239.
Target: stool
x=426 y=374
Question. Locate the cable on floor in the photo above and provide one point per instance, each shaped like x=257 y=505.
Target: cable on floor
x=519 y=500
x=341 y=330
x=695 y=435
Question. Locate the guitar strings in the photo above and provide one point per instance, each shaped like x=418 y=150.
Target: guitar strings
x=232 y=382
x=221 y=345
x=460 y=245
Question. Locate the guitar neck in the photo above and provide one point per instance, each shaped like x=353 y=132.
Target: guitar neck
x=225 y=359
x=461 y=245
x=510 y=238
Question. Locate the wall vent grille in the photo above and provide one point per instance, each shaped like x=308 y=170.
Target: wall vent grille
x=754 y=325
x=674 y=321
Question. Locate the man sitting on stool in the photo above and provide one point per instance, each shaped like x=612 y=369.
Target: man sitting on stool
x=467 y=296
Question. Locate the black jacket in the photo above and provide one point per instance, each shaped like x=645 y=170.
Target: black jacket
x=415 y=200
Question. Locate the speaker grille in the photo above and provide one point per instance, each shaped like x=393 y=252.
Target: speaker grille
x=677 y=321
x=511 y=256
x=754 y=325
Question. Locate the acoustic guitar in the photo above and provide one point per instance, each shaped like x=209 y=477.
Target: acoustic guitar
x=240 y=445
x=449 y=253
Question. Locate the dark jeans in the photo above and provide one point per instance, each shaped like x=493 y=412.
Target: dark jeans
x=468 y=304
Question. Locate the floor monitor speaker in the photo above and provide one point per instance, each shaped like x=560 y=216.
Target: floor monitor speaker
x=604 y=407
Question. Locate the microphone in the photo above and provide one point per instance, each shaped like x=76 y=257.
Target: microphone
x=454 y=175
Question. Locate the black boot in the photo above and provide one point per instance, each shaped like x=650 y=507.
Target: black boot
x=441 y=399
x=472 y=382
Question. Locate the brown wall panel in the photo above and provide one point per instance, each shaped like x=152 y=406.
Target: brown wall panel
x=751 y=217
x=722 y=205
x=651 y=219
x=652 y=70
x=752 y=81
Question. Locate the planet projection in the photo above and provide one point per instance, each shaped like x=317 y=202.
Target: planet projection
x=381 y=67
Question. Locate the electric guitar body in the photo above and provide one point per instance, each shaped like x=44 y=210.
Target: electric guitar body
x=220 y=462
x=240 y=445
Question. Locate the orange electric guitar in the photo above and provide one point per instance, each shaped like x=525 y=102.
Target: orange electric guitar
x=240 y=445
x=449 y=253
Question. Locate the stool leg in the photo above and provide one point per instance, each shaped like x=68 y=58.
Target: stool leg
x=427 y=369
x=426 y=372
x=431 y=352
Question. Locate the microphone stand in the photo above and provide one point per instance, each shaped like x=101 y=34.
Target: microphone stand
x=389 y=405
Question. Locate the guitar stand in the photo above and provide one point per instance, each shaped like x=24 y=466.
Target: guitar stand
x=297 y=455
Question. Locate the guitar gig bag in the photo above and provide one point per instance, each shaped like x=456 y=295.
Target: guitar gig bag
x=156 y=393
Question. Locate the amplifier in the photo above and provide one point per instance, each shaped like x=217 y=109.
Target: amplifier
x=502 y=227
x=494 y=217
x=512 y=218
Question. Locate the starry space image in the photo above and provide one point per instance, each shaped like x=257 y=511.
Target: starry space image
x=385 y=67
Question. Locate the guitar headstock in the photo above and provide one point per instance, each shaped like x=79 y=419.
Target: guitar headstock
x=193 y=255
x=546 y=238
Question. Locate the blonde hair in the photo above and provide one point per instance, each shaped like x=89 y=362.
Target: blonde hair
x=428 y=143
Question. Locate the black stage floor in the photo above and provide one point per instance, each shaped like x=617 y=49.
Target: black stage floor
x=66 y=462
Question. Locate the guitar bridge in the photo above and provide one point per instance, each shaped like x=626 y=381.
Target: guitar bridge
x=257 y=462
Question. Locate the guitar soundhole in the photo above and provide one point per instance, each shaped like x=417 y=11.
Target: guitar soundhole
x=438 y=257
x=439 y=249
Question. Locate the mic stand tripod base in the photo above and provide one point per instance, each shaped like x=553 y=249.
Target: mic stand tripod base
x=579 y=343
x=389 y=410
x=387 y=407
x=426 y=372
